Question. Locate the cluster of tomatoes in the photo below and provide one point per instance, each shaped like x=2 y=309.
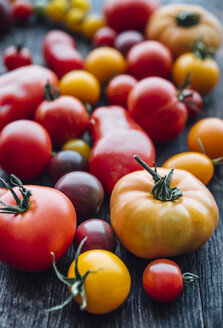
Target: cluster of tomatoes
x=49 y=113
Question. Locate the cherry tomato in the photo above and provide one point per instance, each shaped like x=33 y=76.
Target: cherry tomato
x=25 y=149
x=125 y=40
x=118 y=89
x=99 y=236
x=105 y=36
x=200 y=165
x=16 y=56
x=91 y=24
x=79 y=146
x=66 y=161
x=74 y=19
x=81 y=4
x=104 y=63
x=149 y=58
x=162 y=280
x=81 y=84
x=56 y=10
x=84 y=190
x=128 y=14
x=210 y=132
x=193 y=102
x=22 y=9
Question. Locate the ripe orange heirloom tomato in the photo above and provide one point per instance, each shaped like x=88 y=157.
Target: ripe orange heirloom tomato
x=162 y=214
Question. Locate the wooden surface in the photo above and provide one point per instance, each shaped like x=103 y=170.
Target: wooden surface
x=25 y=296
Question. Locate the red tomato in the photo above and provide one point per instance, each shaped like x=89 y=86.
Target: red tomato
x=154 y=104
x=25 y=149
x=16 y=56
x=193 y=102
x=128 y=14
x=118 y=89
x=127 y=39
x=149 y=58
x=22 y=9
x=47 y=224
x=105 y=36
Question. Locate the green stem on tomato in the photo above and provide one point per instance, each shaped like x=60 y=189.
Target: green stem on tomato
x=50 y=92
x=187 y=18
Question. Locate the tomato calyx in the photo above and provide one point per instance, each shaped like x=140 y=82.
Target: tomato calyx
x=50 y=92
x=188 y=278
x=22 y=204
x=185 y=96
x=201 y=51
x=187 y=18
x=76 y=284
x=161 y=190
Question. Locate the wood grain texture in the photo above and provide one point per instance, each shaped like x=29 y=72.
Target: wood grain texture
x=24 y=297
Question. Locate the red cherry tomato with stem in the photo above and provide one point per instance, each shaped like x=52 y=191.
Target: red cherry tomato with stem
x=16 y=56
x=105 y=36
x=22 y=9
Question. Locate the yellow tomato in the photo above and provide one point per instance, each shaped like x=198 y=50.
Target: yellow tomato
x=105 y=62
x=81 y=4
x=78 y=145
x=74 y=19
x=82 y=85
x=91 y=24
x=56 y=10
x=200 y=165
x=204 y=73
x=107 y=286
x=150 y=225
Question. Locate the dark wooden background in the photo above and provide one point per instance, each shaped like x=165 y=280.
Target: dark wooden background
x=25 y=296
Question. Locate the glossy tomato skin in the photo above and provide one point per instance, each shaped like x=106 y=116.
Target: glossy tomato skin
x=210 y=132
x=128 y=14
x=200 y=165
x=125 y=40
x=195 y=108
x=25 y=149
x=153 y=103
x=105 y=36
x=14 y=58
x=162 y=280
x=22 y=9
x=149 y=58
x=79 y=146
x=48 y=225
x=108 y=286
x=99 y=236
x=64 y=118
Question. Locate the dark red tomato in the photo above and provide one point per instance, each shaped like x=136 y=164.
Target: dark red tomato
x=126 y=40
x=162 y=280
x=118 y=89
x=105 y=36
x=194 y=102
x=128 y=14
x=16 y=56
x=25 y=149
x=85 y=192
x=64 y=118
x=149 y=58
x=66 y=161
x=22 y=9
x=154 y=104
x=99 y=236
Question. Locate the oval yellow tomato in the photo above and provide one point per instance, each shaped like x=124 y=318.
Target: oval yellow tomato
x=74 y=19
x=200 y=165
x=91 y=24
x=107 y=286
x=78 y=145
x=82 y=85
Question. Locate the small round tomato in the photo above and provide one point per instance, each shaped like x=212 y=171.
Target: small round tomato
x=105 y=36
x=149 y=58
x=25 y=149
x=16 y=56
x=125 y=40
x=81 y=4
x=193 y=102
x=118 y=89
x=22 y=9
x=207 y=134
x=163 y=280
x=200 y=165
x=104 y=63
x=74 y=19
x=82 y=85
x=79 y=146
x=91 y=24
x=56 y=10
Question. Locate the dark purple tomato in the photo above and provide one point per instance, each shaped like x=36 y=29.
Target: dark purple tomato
x=5 y=15
x=125 y=40
x=99 y=236
x=66 y=161
x=105 y=36
x=84 y=190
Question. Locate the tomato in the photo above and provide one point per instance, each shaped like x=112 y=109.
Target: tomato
x=2 y=191
x=79 y=146
x=91 y=24
x=104 y=63
x=149 y=58
x=81 y=84
x=22 y=9
x=118 y=89
x=210 y=132
x=74 y=19
x=193 y=102
x=16 y=56
x=45 y=221
x=105 y=36
x=25 y=149
x=128 y=14
x=163 y=280
x=153 y=102
x=200 y=165
x=81 y=4
x=125 y=40
x=56 y=10
x=161 y=214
